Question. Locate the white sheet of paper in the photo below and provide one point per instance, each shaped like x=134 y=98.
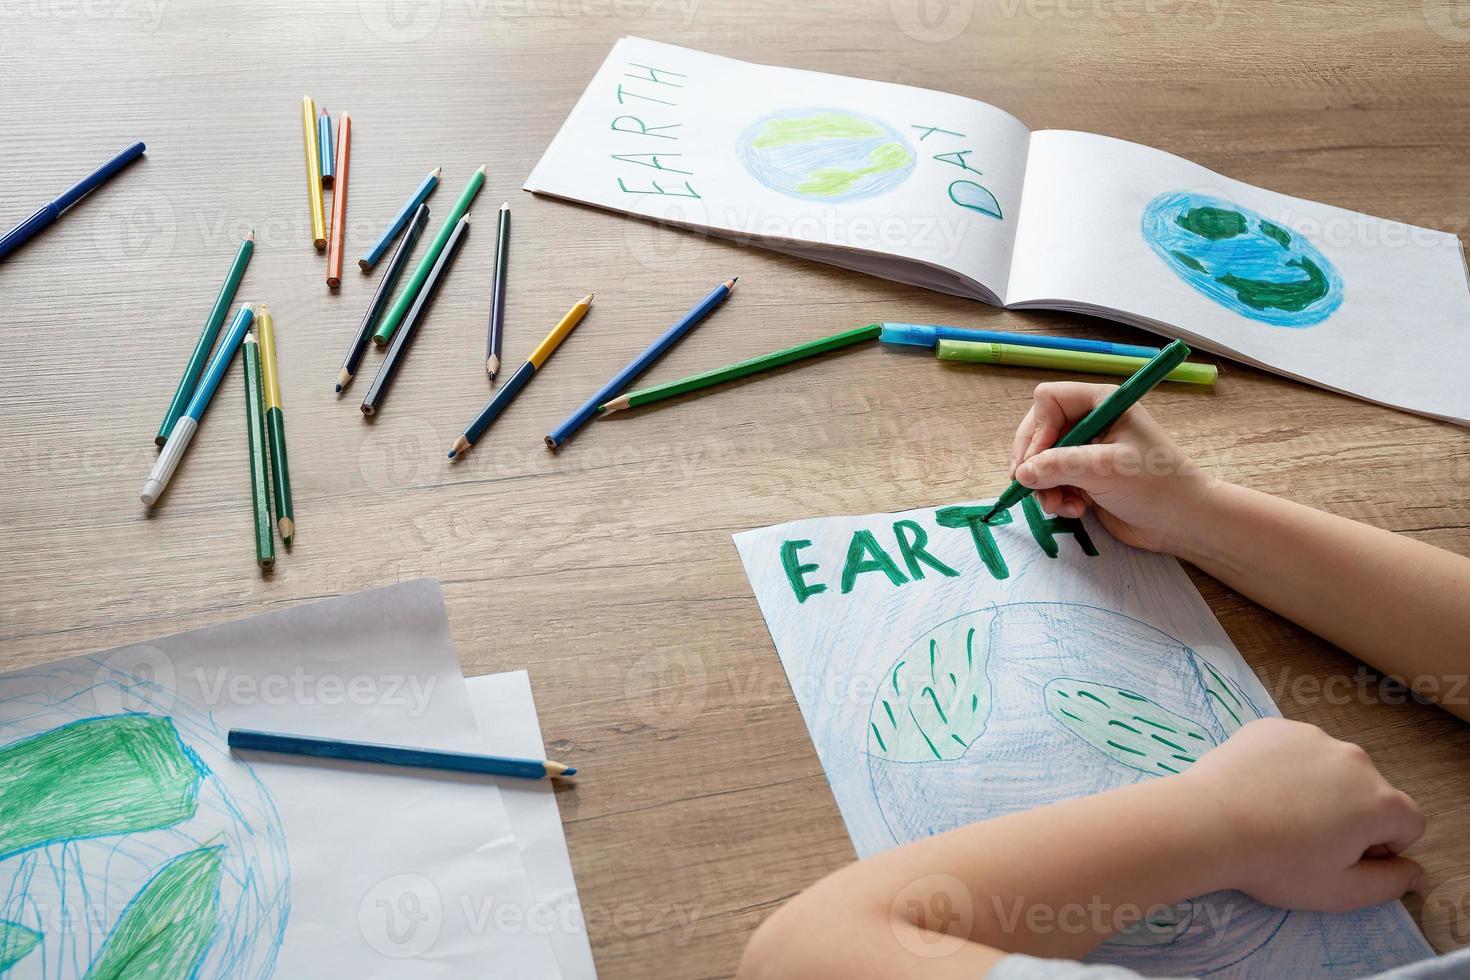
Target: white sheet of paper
x=506 y=713
x=1401 y=335
x=326 y=868
x=949 y=676
x=694 y=139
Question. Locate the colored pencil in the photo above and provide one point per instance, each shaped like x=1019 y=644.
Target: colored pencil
x=313 y=173
x=497 y=295
x=1101 y=418
x=521 y=378
x=762 y=363
x=49 y=212
x=395 y=755
x=410 y=209
x=639 y=364
x=397 y=350
x=260 y=501
x=1015 y=355
x=405 y=299
x=188 y=423
x=325 y=149
x=212 y=324
x=339 y=202
x=275 y=424
x=930 y=334
x=380 y=297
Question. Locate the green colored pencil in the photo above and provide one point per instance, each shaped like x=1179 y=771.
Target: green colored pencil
x=265 y=535
x=411 y=290
x=766 y=361
x=207 y=337
x=275 y=424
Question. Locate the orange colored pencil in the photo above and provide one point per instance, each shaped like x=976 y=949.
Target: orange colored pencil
x=339 y=204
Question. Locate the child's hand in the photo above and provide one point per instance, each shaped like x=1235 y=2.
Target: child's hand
x=1307 y=820
x=1141 y=485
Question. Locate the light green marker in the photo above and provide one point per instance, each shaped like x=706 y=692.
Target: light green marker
x=1017 y=355
x=411 y=291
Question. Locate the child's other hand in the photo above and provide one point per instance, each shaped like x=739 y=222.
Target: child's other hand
x=1306 y=820
x=1141 y=485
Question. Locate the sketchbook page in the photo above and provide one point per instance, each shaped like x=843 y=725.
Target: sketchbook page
x=899 y=179
x=950 y=672
x=122 y=807
x=1368 y=307
x=506 y=714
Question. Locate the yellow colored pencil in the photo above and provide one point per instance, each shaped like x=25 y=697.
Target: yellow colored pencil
x=313 y=173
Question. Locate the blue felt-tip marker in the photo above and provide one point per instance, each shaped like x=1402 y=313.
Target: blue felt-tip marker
x=394 y=755
x=930 y=334
x=48 y=213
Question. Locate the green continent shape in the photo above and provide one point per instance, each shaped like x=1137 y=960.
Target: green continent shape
x=1231 y=708
x=932 y=706
x=15 y=942
x=1294 y=296
x=1212 y=223
x=93 y=778
x=831 y=181
x=1276 y=233
x=808 y=129
x=168 y=924
x=1126 y=726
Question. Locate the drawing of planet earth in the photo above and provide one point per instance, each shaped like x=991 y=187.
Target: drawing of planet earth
x=171 y=861
x=827 y=155
x=1241 y=260
x=1021 y=705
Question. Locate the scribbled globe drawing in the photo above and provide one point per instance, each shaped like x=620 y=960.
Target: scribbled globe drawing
x=829 y=155
x=1242 y=260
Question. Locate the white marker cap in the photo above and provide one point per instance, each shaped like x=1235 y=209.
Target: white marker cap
x=168 y=460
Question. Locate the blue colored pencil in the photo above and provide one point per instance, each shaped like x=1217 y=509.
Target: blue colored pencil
x=639 y=364
x=930 y=334
x=188 y=423
x=395 y=755
x=380 y=247
x=326 y=148
x=50 y=212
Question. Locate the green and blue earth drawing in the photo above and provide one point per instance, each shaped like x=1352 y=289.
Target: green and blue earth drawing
x=828 y=155
x=1241 y=260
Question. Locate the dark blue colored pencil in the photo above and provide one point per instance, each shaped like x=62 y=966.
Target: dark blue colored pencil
x=384 y=292
x=497 y=296
x=639 y=364
x=395 y=755
x=50 y=212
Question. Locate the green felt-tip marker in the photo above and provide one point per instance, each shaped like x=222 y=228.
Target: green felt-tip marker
x=405 y=299
x=1022 y=355
x=1100 y=419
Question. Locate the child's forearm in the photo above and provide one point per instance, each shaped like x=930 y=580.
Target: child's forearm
x=1054 y=881
x=1399 y=604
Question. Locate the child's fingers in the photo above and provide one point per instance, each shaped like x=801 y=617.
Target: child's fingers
x=1075 y=466
x=1378 y=880
x=1400 y=823
x=1056 y=405
x=1022 y=439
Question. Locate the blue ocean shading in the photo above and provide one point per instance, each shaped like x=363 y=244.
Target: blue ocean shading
x=830 y=155
x=1242 y=260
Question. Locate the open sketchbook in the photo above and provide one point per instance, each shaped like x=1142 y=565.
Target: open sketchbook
x=954 y=195
x=951 y=671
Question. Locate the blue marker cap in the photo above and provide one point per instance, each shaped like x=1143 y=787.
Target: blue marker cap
x=911 y=334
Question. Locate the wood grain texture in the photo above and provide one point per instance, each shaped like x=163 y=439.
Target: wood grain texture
x=608 y=569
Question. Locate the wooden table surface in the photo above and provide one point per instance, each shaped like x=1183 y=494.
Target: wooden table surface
x=608 y=569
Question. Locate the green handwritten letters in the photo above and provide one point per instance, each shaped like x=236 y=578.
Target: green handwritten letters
x=647 y=100
x=906 y=552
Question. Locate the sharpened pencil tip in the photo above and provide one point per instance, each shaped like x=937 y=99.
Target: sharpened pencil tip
x=343 y=377
x=483 y=169
x=250 y=307
x=250 y=235
x=437 y=171
x=466 y=218
x=287 y=527
x=460 y=445
x=338 y=388
x=505 y=206
x=322 y=111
